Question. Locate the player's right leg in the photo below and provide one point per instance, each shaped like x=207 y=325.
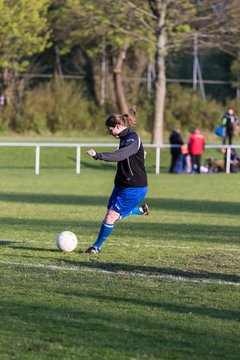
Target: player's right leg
x=105 y=230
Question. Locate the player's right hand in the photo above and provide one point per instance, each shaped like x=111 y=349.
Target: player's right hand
x=91 y=153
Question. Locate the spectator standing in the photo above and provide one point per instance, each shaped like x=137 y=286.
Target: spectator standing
x=176 y=153
x=228 y=121
x=196 y=146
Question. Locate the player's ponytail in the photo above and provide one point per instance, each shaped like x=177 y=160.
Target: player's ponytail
x=127 y=119
x=130 y=118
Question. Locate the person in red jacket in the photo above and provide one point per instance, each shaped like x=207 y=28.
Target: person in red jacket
x=196 y=146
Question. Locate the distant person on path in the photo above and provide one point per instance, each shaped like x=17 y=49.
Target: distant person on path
x=2 y=100
x=131 y=179
x=228 y=121
x=196 y=146
x=176 y=153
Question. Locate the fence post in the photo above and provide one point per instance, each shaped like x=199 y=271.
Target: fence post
x=228 y=160
x=157 y=159
x=78 y=160
x=37 y=160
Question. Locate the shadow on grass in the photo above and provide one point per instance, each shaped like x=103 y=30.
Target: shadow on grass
x=195 y=206
x=32 y=248
x=98 y=333
x=9 y=242
x=139 y=232
x=189 y=206
x=153 y=270
x=183 y=233
x=171 y=307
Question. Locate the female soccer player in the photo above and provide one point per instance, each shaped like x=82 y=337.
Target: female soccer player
x=131 y=179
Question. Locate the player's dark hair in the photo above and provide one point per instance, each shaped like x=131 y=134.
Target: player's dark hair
x=128 y=119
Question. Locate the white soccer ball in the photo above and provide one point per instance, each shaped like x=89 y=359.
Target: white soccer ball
x=66 y=241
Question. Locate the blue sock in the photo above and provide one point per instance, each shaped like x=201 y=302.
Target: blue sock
x=135 y=211
x=104 y=232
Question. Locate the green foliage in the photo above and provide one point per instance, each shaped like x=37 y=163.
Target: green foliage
x=6 y=113
x=24 y=31
x=62 y=106
x=145 y=112
x=235 y=68
x=88 y=22
x=55 y=106
x=36 y=122
x=187 y=109
x=184 y=109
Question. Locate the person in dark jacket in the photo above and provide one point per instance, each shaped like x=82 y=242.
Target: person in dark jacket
x=228 y=121
x=130 y=185
x=176 y=153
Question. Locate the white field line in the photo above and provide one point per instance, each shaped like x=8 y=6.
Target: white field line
x=122 y=273
x=132 y=245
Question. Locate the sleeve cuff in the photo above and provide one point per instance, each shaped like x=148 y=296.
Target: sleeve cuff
x=96 y=157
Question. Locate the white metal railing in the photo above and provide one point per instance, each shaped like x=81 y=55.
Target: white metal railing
x=78 y=147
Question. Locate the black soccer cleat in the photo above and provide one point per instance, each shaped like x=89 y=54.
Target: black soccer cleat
x=92 y=250
x=145 y=209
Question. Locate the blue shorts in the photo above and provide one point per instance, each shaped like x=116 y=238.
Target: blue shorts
x=125 y=200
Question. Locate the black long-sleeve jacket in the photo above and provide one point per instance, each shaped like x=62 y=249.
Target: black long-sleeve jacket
x=176 y=139
x=228 y=121
x=130 y=160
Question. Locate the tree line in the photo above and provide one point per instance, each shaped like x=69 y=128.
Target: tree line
x=111 y=44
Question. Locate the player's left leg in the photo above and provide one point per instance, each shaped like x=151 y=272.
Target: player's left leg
x=141 y=210
x=130 y=200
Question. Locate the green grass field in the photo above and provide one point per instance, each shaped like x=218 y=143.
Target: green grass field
x=165 y=287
